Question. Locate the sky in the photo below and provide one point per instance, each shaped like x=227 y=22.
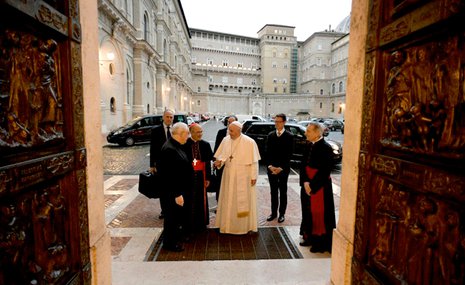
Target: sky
x=246 y=17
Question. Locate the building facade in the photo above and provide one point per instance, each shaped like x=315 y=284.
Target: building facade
x=145 y=59
x=151 y=60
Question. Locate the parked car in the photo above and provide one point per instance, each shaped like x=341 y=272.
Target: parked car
x=139 y=129
x=325 y=128
x=190 y=121
x=259 y=132
x=247 y=123
x=333 y=124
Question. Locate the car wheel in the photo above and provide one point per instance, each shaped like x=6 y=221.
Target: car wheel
x=129 y=141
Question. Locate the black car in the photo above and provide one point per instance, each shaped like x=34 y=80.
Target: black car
x=139 y=129
x=247 y=123
x=333 y=124
x=259 y=132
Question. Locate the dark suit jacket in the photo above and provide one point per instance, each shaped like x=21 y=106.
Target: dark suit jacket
x=279 y=149
x=175 y=169
x=205 y=153
x=158 y=138
x=219 y=138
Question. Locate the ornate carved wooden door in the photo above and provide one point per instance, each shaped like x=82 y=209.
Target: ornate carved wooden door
x=410 y=226
x=43 y=202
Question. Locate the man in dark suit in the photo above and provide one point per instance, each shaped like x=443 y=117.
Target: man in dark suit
x=318 y=217
x=279 y=149
x=219 y=138
x=176 y=173
x=159 y=136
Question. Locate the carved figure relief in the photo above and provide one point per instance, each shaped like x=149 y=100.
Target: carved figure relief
x=417 y=239
x=425 y=98
x=31 y=96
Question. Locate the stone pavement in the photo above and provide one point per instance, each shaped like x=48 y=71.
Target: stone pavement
x=132 y=220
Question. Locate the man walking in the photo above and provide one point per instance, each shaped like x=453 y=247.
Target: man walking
x=159 y=136
x=237 y=203
x=278 y=156
x=200 y=154
x=176 y=172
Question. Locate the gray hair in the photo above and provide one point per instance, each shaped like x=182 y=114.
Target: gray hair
x=178 y=128
x=317 y=127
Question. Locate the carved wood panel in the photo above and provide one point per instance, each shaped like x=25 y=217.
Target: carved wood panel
x=410 y=226
x=44 y=236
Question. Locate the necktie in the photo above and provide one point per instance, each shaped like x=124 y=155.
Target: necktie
x=279 y=133
x=168 y=133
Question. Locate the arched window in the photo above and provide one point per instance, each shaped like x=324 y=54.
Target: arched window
x=165 y=50
x=341 y=86
x=321 y=91
x=332 y=107
x=333 y=88
x=321 y=105
x=146 y=26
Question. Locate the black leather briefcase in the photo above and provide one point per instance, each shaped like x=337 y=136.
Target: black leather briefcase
x=149 y=184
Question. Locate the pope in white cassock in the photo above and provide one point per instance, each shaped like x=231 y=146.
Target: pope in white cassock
x=237 y=203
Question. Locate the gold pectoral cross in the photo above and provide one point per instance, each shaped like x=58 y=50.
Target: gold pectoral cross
x=195 y=161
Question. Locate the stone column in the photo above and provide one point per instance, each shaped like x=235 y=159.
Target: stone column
x=137 y=106
x=99 y=237
x=159 y=90
x=343 y=236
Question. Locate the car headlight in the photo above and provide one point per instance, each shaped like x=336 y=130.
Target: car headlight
x=118 y=132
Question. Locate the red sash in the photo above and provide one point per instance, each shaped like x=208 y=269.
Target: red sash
x=200 y=166
x=317 y=206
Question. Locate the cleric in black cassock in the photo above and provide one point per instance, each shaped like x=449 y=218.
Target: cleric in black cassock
x=318 y=217
x=199 y=152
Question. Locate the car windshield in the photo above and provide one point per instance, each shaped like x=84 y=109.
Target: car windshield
x=132 y=122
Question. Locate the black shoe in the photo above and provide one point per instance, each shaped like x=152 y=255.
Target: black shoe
x=281 y=219
x=175 y=248
x=161 y=216
x=271 y=217
x=305 y=243
x=319 y=249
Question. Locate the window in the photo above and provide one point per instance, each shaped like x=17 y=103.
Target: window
x=254 y=82
x=112 y=105
x=210 y=78
x=194 y=60
x=225 y=63
x=333 y=88
x=332 y=107
x=284 y=81
x=284 y=89
x=274 y=64
x=321 y=91
x=321 y=105
x=198 y=89
x=341 y=86
x=320 y=47
x=275 y=80
x=285 y=65
x=276 y=90
x=239 y=64
x=198 y=102
x=146 y=26
x=210 y=61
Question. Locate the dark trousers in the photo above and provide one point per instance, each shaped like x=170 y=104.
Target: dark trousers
x=278 y=191
x=172 y=222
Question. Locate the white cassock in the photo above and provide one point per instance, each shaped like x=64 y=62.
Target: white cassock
x=237 y=202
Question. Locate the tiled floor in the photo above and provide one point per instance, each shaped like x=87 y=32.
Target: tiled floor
x=133 y=222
